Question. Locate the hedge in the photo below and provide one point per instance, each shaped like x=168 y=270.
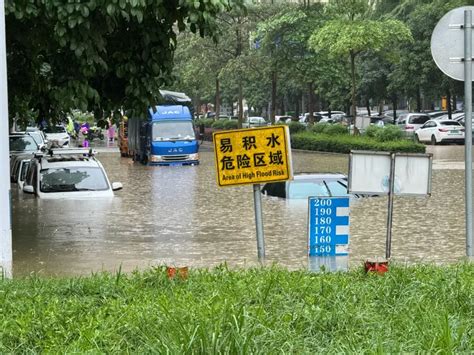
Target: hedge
x=346 y=143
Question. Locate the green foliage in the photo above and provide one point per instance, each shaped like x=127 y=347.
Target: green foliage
x=230 y=124
x=384 y=134
x=296 y=127
x=219 y=124
x=329 y=129
x=346 y=143
x=341 y=37
x=97 y=55
x=207 y=122
x=412 y=309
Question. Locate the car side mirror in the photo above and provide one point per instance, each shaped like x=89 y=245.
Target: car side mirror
x=28 y=189
x=117 y=186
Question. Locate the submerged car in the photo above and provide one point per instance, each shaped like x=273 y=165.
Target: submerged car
x=309 y=185
x=68 y=173
x=22 y=143
x=57 y=136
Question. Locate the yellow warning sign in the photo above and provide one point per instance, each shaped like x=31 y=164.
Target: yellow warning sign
x=253 y=156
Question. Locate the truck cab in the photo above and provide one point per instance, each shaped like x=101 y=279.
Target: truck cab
x=170 y=137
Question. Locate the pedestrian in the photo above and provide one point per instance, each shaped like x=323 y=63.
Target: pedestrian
x=111 y=132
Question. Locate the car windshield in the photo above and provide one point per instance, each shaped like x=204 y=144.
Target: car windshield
x=337 y=188
x=23 y=143
x=55 y=129
x=173 y=130
x=419 y=119
x=305 y=189
x=72 y=179
x=37 y=137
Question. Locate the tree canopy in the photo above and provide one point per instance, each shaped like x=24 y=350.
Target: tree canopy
x=97 y=54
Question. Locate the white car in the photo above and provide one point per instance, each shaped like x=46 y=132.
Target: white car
x=57 y=136
x=410 y=122
x=254 y=122
x=437 y=131
x=68 y=173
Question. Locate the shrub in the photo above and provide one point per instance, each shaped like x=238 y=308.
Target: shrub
x=207 y=122
x=329 y=129
x=296 y=127
x=384 y=134
x=319 y=127
x=346 y=143
x=218 y=124
x=372 y=131
x=389 y=133
x=230 y=124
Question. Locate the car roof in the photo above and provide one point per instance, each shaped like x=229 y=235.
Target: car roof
x=322 y=176
x=59 y=161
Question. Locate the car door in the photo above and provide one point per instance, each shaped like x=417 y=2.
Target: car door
x=425 y=131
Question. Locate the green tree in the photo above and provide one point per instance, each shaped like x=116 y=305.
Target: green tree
x=97 y=54
x=350 y=34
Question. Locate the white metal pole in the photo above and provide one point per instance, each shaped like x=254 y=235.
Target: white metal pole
x=468 y=123
x=6 y=255
x=257 y=198
x=391 y=191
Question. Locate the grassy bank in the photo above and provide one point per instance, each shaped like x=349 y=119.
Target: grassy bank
x=267 y=310
x=346 y=143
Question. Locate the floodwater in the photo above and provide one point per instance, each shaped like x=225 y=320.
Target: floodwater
x=178 y=216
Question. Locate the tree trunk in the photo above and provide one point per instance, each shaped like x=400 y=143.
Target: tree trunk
x=274 y=98
x=297 y=106
x=367 y=104
x=450 y=110
x=394 y=102
x=418 y=100
x=218 y=98
x=241 y=106
x=354 y=110
x=310 y=103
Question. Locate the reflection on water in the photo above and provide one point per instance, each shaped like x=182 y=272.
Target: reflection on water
x=178 y=215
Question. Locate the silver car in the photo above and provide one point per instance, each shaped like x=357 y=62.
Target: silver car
x=410 y=122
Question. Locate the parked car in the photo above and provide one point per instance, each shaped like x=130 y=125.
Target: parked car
x=68 y=173
x=18 y=170
x=307 y=185
x=410 y=122
x=254 y=122
x=38 y=136
x=57 y=136
x=21 y=143
x=436 y=131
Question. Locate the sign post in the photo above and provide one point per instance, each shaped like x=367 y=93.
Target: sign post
x=451 y=48
x=253 y=156
x=6 y=254
x=384 y=173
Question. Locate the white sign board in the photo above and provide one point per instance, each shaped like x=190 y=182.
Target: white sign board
x=362 y=122
x=412 y=175
x=369 y=173
x=447 y=43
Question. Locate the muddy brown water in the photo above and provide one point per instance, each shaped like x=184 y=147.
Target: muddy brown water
x=178 y=216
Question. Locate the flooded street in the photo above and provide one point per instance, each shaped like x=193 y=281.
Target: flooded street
x=178 y=216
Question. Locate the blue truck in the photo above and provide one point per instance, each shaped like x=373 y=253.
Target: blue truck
x=166 y=137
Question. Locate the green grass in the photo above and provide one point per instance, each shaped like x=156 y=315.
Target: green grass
x=346 y=143
x=263 y=310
